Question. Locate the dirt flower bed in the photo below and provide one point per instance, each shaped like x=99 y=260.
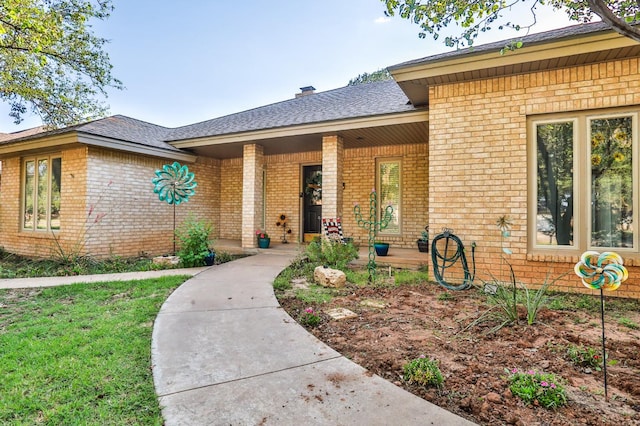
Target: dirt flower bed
x=427 y=320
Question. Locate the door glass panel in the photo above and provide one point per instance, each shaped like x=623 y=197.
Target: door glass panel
x=389 y=193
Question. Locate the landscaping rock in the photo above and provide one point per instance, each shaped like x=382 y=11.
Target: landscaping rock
x=341 y=313
x=166 y=260
x=328 y=277
x=370 y=303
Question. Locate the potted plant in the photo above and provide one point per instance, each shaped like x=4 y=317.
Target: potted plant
x=381 y=248
x=263 y=239
x=210 y=258
x=423 y=241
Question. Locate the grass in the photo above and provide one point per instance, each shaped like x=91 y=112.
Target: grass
x=404 y=276
x=80 y=354
x=15 y=266
x=315 y=294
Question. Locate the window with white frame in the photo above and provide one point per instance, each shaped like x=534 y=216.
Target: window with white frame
x=41 y=193
x=388 y=184
x=586 y=180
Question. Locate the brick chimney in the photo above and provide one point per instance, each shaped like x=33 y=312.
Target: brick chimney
x=306 y=91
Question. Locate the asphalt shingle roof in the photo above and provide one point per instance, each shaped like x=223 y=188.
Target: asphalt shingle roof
x=553 y=35
x=117 y=127
x=362 y=100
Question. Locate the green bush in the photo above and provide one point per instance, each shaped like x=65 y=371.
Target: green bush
x=333 y=254
x=423 y=371
x=532 y=387
x=193 y=240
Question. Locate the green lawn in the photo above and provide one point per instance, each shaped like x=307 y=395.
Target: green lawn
x=80 y=354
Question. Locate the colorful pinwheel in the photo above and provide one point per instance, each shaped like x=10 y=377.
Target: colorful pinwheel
x=601 y=271
x=174 y=183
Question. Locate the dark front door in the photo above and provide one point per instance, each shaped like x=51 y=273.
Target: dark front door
x=312 y=193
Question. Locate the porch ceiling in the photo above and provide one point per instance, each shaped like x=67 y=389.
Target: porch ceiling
x=398 y=134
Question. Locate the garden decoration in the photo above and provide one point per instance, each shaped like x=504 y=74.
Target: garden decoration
x=453 y=251
x=601 y=272
x=373 y=226
x=174 y=184
x=282 y=221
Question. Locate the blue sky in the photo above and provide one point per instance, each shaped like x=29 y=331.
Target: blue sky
x=190 y=61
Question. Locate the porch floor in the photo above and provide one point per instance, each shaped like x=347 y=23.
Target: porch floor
x=397 y=257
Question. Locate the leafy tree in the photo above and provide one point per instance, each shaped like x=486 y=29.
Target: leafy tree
x=51 y=60
x=380 y=75
x=476 y=16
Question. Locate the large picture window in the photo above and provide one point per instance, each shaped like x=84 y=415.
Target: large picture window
x=41 y=193
x=586 y=182
x=389 y=192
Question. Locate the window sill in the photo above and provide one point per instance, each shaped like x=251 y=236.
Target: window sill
x=630 y=259
x=36 y=234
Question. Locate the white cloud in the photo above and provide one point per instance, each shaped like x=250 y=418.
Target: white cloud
x=382 y=20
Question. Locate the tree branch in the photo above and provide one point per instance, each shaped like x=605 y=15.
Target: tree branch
x=617 y=24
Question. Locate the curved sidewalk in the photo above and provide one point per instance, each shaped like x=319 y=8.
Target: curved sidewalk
x=225 y=353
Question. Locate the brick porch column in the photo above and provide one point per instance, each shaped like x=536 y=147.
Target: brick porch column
x=332 y=162
x=252 y=194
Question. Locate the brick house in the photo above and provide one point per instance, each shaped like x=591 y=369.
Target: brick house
x=455 y=140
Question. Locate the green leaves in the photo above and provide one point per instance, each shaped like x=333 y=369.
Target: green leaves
x=477 y=16
x=51 y=60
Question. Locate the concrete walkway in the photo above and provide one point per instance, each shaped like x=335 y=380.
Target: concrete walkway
x=76 y=279
x=225 y=353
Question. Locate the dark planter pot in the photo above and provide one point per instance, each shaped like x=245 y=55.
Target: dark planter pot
x=423 y=246
x=210 y=259
x=381 y=248
x=264 y=242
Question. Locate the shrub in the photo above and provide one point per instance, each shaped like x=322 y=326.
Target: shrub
x=532 y=387
x=423 y=371
x=193 y=238
x=333 y=254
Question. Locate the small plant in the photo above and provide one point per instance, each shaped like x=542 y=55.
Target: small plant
x=423 y=371
x=424 y=236
x=309 y=318
x=332 y=254
x=193 y=237
x=261 y=234
x=626 y=322
x=443 y=297
x=541 y=388
x=71 y=252
x=584 y=356
x=534 y=301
